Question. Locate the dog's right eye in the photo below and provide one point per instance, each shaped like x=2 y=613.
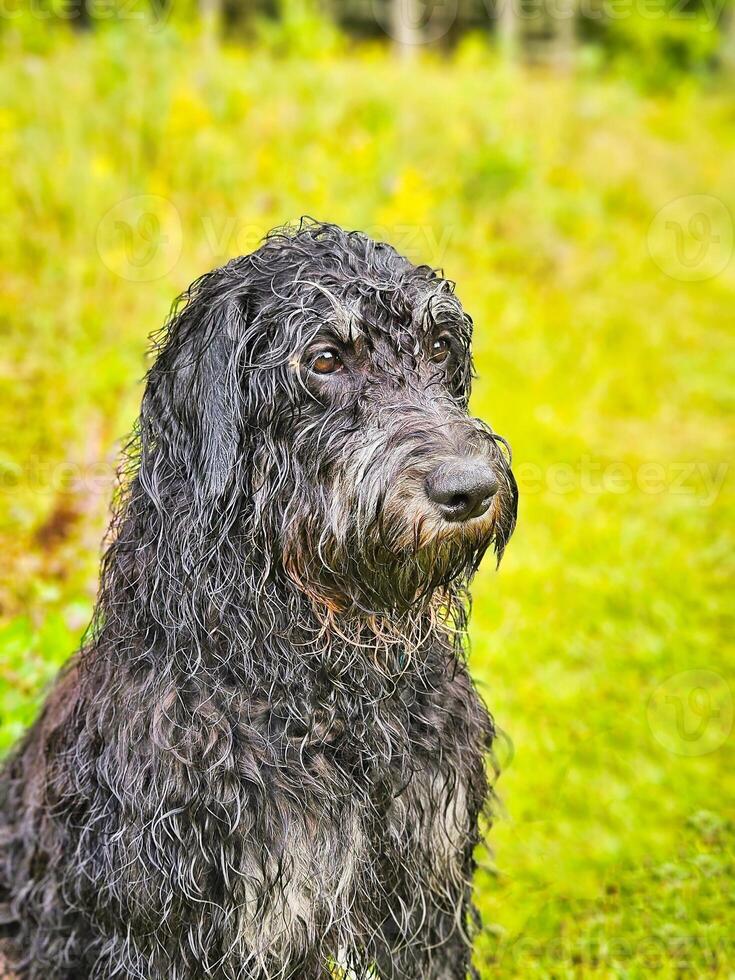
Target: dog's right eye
x=440 y=350
x=326 y=362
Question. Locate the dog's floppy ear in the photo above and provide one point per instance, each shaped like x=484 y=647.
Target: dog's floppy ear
x=192 y=406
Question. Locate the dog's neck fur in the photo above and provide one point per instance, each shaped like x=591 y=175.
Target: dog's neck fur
x=168 y=600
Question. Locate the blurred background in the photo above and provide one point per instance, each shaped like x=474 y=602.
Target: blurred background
x=571 y=164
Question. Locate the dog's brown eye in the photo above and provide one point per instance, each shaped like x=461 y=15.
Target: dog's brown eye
x=326 y=362
x=440 y=350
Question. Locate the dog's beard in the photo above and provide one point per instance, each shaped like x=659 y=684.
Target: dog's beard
x=397 y=559
x=360 y=532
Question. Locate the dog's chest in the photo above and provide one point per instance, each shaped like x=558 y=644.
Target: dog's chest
x=339 y=857
x=359 y=795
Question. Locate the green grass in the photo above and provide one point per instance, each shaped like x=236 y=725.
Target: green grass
x=611 y=378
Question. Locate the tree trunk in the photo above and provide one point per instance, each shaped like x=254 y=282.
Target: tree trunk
x=728 y=39
x=508 y=26
x=406 y=27
x=210 y=12
x=564 y=13
x=77 y=13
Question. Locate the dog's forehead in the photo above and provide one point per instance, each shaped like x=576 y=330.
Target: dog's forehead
x=400 y=315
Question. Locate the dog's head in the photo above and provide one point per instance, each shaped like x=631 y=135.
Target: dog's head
x=313 y=397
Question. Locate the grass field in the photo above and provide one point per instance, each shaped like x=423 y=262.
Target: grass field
x=590 y=232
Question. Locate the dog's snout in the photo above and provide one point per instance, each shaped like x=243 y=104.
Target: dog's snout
x=462 y=489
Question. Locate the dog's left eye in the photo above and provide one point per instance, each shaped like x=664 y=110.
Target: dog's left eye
x=440 y=350
x=326 y=362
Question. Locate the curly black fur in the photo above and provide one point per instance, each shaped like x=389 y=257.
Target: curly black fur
x=267 y=761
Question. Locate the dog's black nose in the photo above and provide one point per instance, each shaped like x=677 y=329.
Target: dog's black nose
x=462 y=488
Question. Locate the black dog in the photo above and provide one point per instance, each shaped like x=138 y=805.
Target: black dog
x=268 y=759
